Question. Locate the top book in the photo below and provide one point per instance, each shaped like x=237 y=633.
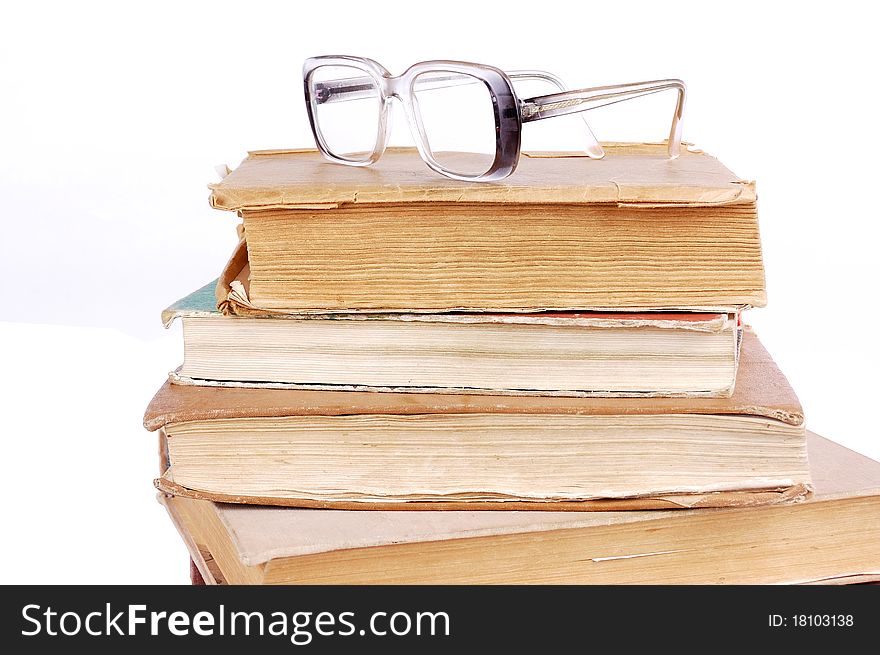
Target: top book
x=634 y=230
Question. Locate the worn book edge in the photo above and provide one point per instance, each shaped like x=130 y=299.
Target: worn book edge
x=793 y=494
x=232 y=295
x=201 y=303
x=631 y=174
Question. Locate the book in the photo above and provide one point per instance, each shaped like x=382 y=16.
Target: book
x=832 y=537
x=547 y=353
x=634 y=231
x=195 y=575
x=349 y=449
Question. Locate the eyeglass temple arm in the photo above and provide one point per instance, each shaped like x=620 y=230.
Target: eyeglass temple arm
x=354 y=88
x=593 y=149
x=570 y=102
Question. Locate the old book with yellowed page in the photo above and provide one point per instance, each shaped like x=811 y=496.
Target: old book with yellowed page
x=633 y=231
x=833 y=538
x=546 y=353
x=433 y=451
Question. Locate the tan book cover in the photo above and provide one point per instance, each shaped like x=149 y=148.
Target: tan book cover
x=833 y=537
x=634 y=230
x=630 y=173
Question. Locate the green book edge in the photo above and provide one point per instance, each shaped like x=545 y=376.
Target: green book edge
x=201 y=302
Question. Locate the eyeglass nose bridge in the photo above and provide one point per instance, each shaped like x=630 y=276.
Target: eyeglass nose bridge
x=395 y=86
x=400 y=88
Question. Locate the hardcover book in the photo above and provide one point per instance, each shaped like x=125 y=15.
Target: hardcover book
x=547 y=353
x=633 y=231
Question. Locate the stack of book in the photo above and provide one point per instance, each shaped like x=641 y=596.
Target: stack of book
x=403 y=378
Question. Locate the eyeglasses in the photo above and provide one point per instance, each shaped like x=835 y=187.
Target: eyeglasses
x=348 y=101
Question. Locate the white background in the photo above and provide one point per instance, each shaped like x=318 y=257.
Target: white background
x=112 y=119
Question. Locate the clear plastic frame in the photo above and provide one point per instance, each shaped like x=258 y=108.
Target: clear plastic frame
x=349 y=99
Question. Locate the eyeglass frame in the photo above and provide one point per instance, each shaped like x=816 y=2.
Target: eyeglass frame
x=510 y=112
